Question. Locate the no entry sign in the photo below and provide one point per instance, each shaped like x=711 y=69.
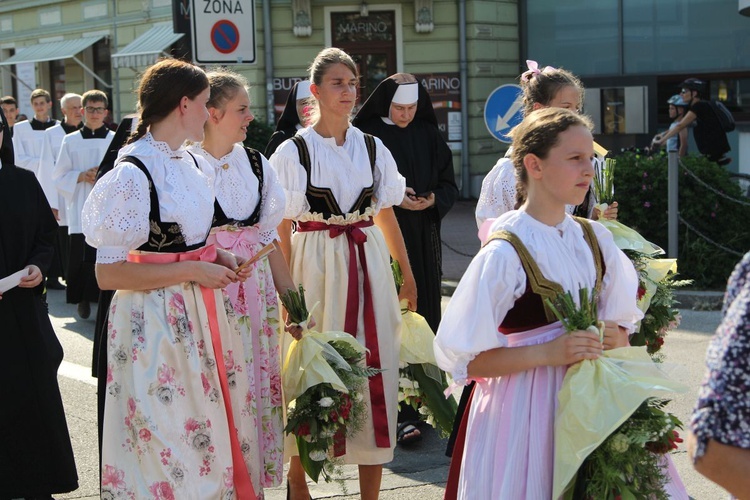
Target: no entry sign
x=217 y=38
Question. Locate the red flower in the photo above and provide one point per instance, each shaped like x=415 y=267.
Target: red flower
x=145 y=435
x=641 y=292
x=303 y=429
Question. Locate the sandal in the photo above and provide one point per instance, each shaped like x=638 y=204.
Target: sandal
x=407 y=433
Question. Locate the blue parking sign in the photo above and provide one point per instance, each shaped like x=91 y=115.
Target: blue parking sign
x=503 y=111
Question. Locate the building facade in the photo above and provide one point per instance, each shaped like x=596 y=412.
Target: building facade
x=631 y=55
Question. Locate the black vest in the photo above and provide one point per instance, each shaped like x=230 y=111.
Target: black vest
x=163 y=237
x=321 y=200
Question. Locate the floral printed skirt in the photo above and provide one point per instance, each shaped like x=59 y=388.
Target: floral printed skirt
x=256 y=306
x=166 y=431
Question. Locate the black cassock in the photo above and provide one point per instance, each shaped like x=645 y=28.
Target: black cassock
x=425 y=160
x=36 y=457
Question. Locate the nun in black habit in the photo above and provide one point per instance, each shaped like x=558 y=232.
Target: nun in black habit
x=426 y=162
x=36 y=457
x=291 y=117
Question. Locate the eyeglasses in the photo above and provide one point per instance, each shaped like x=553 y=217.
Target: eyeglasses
x=684 y=91
x=91 y=109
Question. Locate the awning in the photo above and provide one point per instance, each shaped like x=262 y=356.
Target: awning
x=147 y=48
x=51 y=51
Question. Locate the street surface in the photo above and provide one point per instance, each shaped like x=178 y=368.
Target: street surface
x=415 y=474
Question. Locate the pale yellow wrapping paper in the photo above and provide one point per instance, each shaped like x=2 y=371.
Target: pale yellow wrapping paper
x=307 y=362
x=656 y=270
x=597 y=396
x=416 y=338
x=627 y=238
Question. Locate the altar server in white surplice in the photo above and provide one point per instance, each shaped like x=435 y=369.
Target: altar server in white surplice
x=74 y=175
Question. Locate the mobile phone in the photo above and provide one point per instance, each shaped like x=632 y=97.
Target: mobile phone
x=426 y=194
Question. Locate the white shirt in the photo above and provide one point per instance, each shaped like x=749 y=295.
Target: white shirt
x=77 y=155
x=236 y=189
x=115 y=215
x=51 y=143
x=495 y=279
x=344 y=169
x=27 y=145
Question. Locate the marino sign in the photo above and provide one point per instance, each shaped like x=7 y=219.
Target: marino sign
x=216 y=34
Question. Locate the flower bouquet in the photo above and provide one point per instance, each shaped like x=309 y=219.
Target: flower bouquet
x=608 y=406
x=656 y=284
x=421 y=383
x=323 y=379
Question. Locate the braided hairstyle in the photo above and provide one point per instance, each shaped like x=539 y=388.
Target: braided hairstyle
x=537 y=134
x=161 y=88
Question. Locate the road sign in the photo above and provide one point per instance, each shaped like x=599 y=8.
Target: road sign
x=503 y=111
x=216 y=36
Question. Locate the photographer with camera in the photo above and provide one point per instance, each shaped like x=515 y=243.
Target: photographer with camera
x=709 y=133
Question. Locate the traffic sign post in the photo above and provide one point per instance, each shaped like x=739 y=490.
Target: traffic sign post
x=217 y=38
x=503 y=111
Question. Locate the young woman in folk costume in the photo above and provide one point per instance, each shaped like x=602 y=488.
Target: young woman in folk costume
x=340 y=186
x=249 y=206
x=546 y=87
x=173 y=423
x=497 y=330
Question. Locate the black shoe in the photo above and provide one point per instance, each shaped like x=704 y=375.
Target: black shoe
x=54 y=284
x=84 y=309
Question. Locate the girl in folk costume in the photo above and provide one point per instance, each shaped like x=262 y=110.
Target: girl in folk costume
x=249 y=205
x=514 y=349
x=546 y=87
x=175 y=391
x=340 y=186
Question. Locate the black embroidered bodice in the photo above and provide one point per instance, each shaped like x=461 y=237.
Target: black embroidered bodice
x=163 y=237
x=321 y=200
x=220 y=218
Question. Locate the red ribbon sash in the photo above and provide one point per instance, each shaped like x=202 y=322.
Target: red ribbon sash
x=357 y=238
x=243 y=485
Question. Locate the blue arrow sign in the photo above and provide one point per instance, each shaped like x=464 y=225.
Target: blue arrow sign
x=503 y=111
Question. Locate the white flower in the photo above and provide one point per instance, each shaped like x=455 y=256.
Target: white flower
x=325 y=402
x=424 y=410
x=317 y=455
x=619 y=443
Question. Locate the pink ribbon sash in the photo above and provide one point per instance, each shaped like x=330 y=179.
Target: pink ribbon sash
x=243 y=485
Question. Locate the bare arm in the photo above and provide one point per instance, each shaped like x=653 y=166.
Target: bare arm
x=138 y=276
x=282 y=278
x=386 y=221
x=285 y=233
x=725 y=465
x=564 y=350
x=686 y=120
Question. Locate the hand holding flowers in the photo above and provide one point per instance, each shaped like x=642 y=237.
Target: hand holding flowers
x=609 y=422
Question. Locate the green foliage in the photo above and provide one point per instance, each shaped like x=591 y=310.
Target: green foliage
x=628 y=463
x=641 y=191
x=258 y=135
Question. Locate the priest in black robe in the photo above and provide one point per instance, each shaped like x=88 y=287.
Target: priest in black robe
x=400 y=113
x=36 y=457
